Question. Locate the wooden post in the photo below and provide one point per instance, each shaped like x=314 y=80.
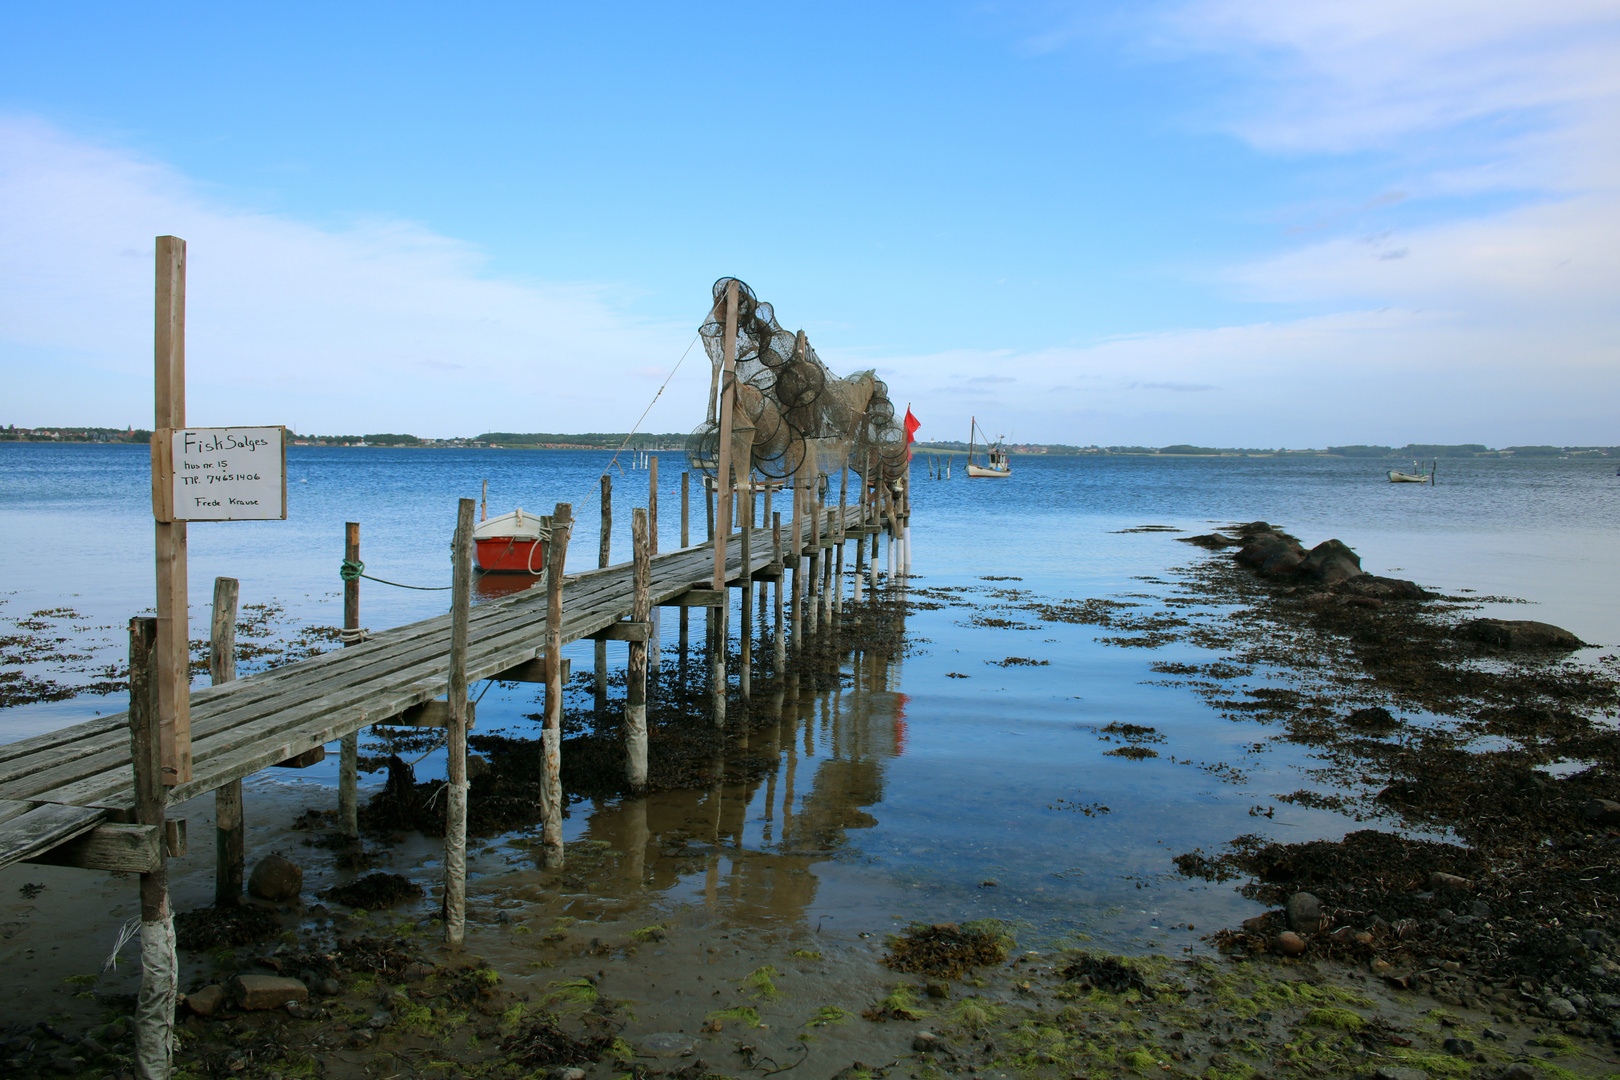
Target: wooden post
x=652 y=504
x=745 y=618
x=154 y=1011
x=455 y=821
x=686 y=509
x=779 y=645
x=796 y=555
x=349 y=749
x=173 y=656
x=725 y=487
x=813 y=584
x=635 y=709
x=562 y=521
x=483 y=503
x=686 y=542
x=656 y=616
x=230 y=830
x=603 y=554
x=860 y=552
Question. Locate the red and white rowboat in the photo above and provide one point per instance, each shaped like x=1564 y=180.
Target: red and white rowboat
x=514 y=543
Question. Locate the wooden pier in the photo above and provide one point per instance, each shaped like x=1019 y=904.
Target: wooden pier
x=97 y=795
x=69 y=797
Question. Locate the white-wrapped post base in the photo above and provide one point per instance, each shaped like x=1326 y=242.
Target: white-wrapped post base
x=455 y=865
x=154 y=1010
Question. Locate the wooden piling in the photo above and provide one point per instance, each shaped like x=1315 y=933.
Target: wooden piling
x=604 y=549
x=813 y=583
x=349 y=749
x=796 y=555
x=778 y=643
x=455 y=822
x=230 y=830
x=654 y=648
x=843 y=535
x=686 y=542
x=635 y=709
x=745 y=616
x=562 y=521
x=154 y=1010
x=173 y=656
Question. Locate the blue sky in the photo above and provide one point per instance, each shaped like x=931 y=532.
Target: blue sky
x=1232 y=221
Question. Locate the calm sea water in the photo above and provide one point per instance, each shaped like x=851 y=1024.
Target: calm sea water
x=926 y=787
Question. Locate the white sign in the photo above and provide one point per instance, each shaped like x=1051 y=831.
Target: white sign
x=229 y=473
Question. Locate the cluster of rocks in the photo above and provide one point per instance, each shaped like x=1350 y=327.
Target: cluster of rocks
x=1332 y=565
x=44 y=1049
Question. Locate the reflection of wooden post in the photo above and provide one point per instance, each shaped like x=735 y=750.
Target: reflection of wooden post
x=173 y=655
x=635 y=709
x=230 y=831
x=562 y=520
x=154 y=1023
x=603 y=553
x=455 y=820
x=349 y=750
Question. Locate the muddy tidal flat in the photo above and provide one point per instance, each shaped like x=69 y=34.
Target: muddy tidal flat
x=1103 y=799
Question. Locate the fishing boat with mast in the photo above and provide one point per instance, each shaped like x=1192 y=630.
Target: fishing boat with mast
x=997 y=463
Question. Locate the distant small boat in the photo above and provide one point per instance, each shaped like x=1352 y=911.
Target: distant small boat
x=515 y=543
x=997 y=464
x=1416 y=476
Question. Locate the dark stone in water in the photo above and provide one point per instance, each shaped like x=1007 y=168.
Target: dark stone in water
x=1519 y=634
x=1331 y=562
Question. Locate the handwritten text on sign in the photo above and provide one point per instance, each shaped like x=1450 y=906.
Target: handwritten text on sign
x=230 y=474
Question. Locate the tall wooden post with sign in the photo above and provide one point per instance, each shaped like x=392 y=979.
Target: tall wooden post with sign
x=198 y=474
x=172 y=651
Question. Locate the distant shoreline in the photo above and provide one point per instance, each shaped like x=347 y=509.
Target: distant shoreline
x=674 y=443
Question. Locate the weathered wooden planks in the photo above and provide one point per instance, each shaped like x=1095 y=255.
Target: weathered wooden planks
x=83 y=777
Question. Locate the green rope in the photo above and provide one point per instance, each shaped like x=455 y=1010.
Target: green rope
x=353 y=570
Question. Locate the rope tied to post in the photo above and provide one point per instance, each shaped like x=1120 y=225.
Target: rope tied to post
x=354 y=569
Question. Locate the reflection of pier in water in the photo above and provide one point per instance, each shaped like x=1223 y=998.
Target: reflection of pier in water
x=758 y=839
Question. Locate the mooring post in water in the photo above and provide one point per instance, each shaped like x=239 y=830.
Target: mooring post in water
x=796 y=552
x=654 y=649
x=779 y=644
x=725 y=490
x=604 y=551
x=635 y=709
x=745 y=612
x=860 y=566
x=766 y=520
x=455 y=817
x=551 y=853
x=843 y=535
x=349 y=749
x=230 y=830
x=812 y=584
x=154 y=1010
x=686 y=542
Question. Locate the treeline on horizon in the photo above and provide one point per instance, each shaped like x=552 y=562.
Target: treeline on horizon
x=675 y=440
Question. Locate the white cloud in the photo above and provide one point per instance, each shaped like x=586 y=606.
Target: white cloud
x=380 y=326
x=1496 y=324
x=1391 y=375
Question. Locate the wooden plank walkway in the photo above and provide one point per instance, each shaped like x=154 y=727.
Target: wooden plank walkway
x=57 y=786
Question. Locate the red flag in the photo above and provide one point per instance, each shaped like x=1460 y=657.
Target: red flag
x=912 y=424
